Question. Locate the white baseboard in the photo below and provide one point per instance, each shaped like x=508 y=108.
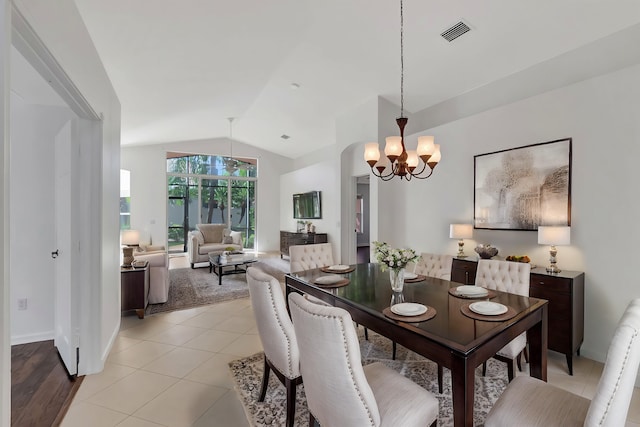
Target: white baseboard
x=29 y=338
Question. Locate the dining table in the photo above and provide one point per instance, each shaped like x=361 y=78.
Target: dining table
x=454 y=338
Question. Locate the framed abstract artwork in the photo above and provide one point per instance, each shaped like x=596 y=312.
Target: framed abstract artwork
x=524 y=187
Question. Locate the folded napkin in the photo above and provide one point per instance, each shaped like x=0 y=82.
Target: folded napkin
x=329 y=280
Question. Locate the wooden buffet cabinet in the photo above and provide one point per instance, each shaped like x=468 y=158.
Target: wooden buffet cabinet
x=565 y=293
x=290 y=238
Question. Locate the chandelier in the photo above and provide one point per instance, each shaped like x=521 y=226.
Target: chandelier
x=398 y=161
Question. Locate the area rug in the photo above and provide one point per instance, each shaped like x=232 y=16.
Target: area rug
x=247 y=375
x=190 y=287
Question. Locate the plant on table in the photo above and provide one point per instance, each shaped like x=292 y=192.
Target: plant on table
x=396 y=260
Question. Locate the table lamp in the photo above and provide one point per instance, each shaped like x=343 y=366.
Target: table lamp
x=556 y=235
x=461 y=231
x=129 y=238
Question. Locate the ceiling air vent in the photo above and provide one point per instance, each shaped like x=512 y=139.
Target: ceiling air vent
x=456 y=31
x=284 y=136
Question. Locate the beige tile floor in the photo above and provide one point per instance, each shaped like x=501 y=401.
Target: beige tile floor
x=171 y=370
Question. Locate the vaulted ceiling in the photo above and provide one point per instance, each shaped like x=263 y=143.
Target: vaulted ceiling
x=180 y=68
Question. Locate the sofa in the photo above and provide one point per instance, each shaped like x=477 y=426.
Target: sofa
x=207 y=238
x=158 y=271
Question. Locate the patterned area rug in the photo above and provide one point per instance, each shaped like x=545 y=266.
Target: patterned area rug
x=195 y=287
x=247 y=374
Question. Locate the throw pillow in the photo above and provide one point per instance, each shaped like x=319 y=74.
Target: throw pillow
x=212 y=232
x=227 y=240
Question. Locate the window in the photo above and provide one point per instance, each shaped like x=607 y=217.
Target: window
x=125 y=199
x=210 y=190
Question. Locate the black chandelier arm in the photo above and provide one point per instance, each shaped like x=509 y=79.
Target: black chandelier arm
x=417 y=175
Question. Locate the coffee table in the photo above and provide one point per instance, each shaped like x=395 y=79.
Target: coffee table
x=232 y=267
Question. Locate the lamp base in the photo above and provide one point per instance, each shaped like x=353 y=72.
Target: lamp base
x=127 y=256
x=461 y=253
x=553 y=269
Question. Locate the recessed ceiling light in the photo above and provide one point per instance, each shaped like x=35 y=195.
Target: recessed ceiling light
x=284 y=136
x=295 y=86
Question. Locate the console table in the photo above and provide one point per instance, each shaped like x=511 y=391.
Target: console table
x=565 y=293
x=134 y=289
x=289 y=238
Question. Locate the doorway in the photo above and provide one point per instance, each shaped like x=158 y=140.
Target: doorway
x=362 y=211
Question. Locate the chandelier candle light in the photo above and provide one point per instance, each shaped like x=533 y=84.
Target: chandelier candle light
x=398 y=161
x=396 y=260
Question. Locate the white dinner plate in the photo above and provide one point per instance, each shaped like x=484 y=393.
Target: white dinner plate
x=488 y=308
x=408 y=309
x=338 y=267
x=329 y=280
x=410 y=276
x=472 y=291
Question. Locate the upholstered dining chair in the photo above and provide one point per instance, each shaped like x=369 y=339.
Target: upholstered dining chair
x=278 y=338
x=306 y=257
x=530 y=402
x=340 y=391
x=512 y=277
x=432 y=265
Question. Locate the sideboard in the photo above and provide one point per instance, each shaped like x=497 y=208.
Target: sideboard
x=290 y=238
x=565 y=293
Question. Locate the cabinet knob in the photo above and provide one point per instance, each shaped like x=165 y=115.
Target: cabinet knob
x=542 y=283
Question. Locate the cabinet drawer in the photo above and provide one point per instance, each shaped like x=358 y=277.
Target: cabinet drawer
x=554 y=284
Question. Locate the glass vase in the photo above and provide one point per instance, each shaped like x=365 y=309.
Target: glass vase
x=396 y=277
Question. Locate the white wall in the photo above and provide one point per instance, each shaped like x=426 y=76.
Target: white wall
x=149 y=186
x=601 y=115
x=321 y=177
x=61 y=32
x=32 y=217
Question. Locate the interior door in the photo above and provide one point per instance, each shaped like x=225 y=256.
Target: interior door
x=66 y=332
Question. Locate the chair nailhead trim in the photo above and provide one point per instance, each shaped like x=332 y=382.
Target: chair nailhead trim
x=273 y=306
x=344 y=343
x=624 y=363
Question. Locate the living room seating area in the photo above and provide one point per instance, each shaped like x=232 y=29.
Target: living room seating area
x=207 y=238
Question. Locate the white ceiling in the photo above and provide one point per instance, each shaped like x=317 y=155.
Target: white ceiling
x=180 y=68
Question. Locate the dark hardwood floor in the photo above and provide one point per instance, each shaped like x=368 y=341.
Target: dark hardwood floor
x=41 y=390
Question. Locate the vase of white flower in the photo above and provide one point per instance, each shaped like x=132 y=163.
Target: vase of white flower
x=396 y=277
x=396 y=260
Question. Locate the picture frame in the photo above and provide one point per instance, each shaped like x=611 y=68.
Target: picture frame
x=524 y=187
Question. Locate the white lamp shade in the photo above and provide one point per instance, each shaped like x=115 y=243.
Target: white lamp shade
x=435 y=157
x=393 y=146
x=130 y=237
x=425 y=145
x=556 y=235
x=460 y=231
x=412 y=158
x=371 y=151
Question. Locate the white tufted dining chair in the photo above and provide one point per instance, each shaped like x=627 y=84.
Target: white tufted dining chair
x=432 y=265
x=340 y=391
x=277 y=335
x=306 y=257
x=531 y=402
x=512 y=277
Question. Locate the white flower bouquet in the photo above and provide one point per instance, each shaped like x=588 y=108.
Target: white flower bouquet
x=392 y=257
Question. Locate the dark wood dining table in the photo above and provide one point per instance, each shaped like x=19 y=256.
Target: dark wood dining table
x=450 y=339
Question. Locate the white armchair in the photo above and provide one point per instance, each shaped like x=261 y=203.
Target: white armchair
x=207 y=238
x=158 y=273
x=276 y=333
x=339 y=390
x=306 y=257
x=512 y=277
x=438 y=266
x=531 y=402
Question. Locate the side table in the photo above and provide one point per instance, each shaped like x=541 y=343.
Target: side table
x=134 y=288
